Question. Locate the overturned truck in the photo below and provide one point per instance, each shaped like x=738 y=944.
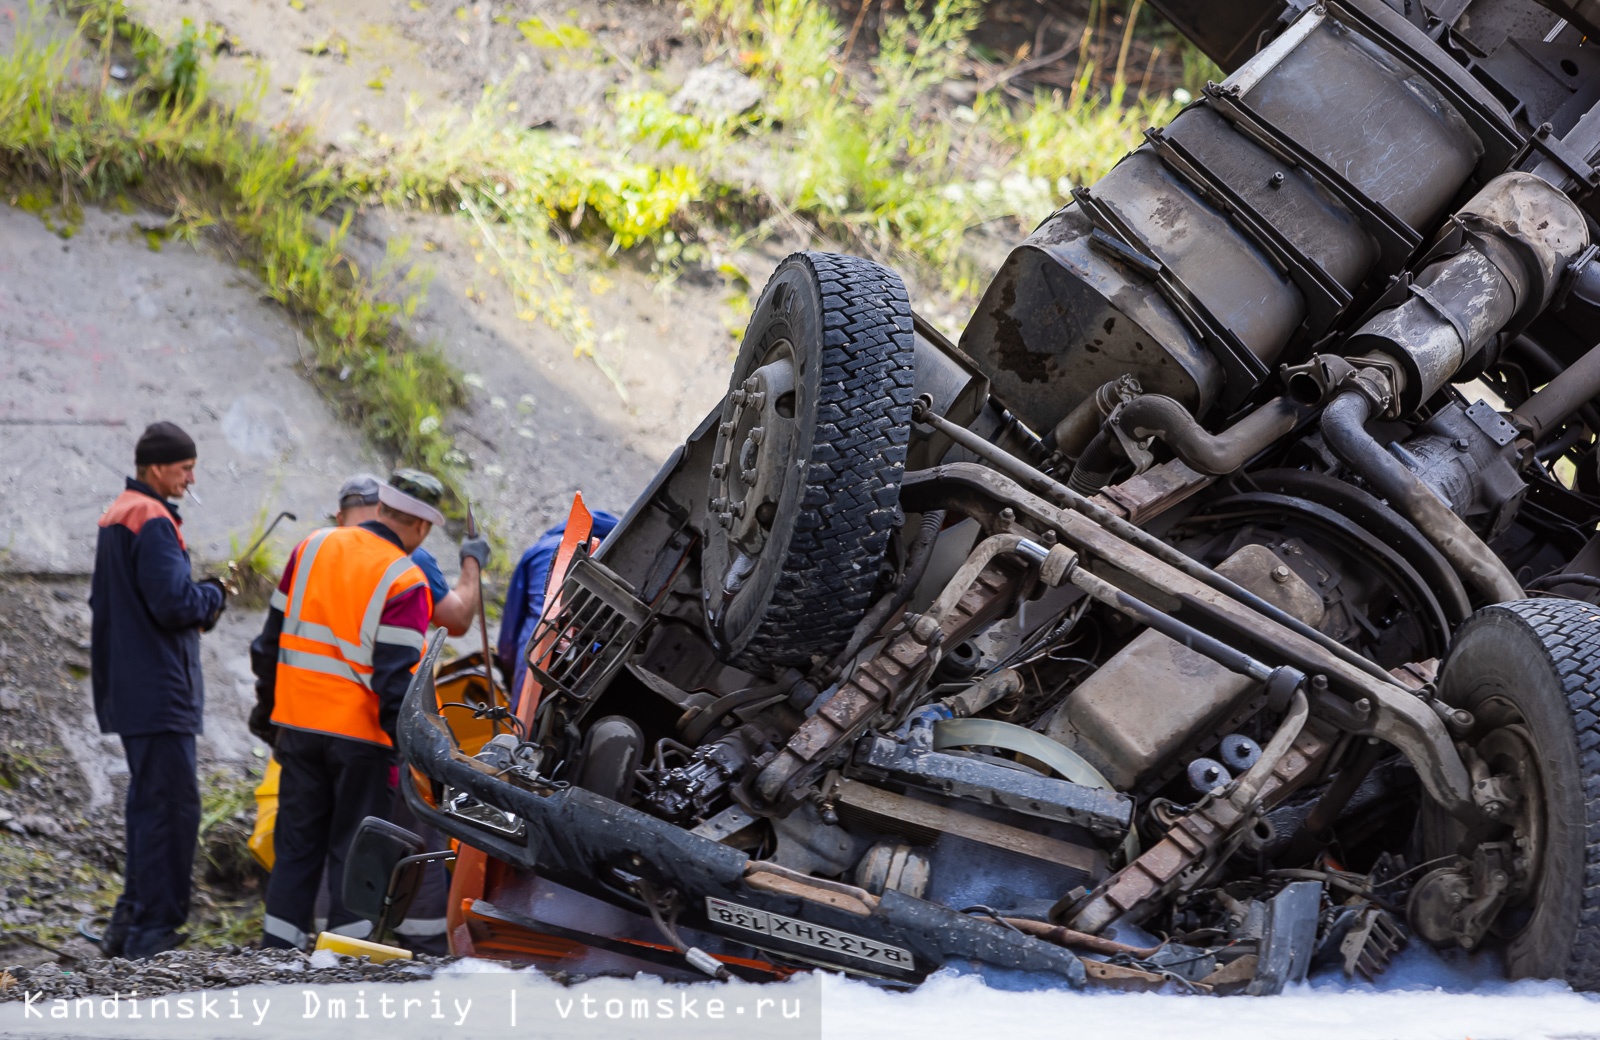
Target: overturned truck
x=1222 y=602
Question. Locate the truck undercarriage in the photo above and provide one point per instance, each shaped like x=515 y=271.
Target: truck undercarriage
x=1232 y=578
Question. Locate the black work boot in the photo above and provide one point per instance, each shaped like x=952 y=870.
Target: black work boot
x=115 y=939
x=142 y=944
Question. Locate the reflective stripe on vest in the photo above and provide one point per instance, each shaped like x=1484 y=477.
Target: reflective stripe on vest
x=342 y=579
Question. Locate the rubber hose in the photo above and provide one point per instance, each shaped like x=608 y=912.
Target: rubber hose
x=1344 y=429
x=1098 y=464
x=1217 y=454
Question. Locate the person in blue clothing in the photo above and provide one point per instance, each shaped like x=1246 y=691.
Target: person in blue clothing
x=147 y=616
x=525 y=598
x=453 y=608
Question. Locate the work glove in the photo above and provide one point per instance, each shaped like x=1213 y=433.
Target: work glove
x=477 y=549
x=222 y=603
x=261 y=724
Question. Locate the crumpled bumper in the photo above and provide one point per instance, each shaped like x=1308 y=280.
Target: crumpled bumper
x=595 y=845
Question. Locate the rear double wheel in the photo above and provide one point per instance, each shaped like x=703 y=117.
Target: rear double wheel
x=1529 y=672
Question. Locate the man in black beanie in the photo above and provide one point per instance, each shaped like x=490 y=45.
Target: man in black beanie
x=145 y=664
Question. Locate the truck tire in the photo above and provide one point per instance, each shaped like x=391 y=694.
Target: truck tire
x=1529 y=671
x=809 y=454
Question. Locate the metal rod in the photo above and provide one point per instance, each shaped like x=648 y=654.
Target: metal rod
x=1248 y=786
x=1554 y=402
x=264 y=534
x=483 y=624
x=1031 y=478
x=1169 y=626
x=1064 y=936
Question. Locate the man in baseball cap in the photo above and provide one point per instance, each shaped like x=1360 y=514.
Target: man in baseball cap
x=346 y=629
x=453 y=608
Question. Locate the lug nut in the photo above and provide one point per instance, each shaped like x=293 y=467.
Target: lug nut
x=756 y=433
x=752 y=383
x=748 y=476
x=738 y=397
x=726 y=429
x=718 y=469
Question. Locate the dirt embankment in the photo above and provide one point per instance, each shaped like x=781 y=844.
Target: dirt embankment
x=61 y=784
x=108 y=327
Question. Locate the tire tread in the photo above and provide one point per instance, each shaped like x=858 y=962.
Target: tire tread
x=1570 y=633
x=851 y=495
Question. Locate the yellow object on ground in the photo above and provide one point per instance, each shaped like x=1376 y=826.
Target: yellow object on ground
x=266 y=815
x=376 y=952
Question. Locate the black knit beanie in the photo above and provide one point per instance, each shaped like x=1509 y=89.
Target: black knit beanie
x=161 y=443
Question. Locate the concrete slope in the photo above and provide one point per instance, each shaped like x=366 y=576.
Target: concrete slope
x=100 y=336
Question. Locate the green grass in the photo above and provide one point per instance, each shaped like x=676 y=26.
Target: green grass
x=256 y=575
x=162 y=142
x=229 y=885
x=873 y=159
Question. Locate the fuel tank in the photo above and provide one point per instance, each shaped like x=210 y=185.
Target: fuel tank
x=1242 y=227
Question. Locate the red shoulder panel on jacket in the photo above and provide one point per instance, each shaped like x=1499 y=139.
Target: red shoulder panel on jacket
x=133 y=510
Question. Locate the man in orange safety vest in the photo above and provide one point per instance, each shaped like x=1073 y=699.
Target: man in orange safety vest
x=346 y=629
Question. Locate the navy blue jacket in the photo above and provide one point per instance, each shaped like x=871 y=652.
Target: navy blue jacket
x=525 y=596
x=145 y=637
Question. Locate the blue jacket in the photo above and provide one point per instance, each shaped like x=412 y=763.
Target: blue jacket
x=525 y=596
x=145 y=636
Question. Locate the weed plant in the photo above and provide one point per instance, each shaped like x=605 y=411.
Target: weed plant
x=256 y=575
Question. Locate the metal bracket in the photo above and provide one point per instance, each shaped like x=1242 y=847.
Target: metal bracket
x=1325 y=297
x=1570 y=275
x=1572 y=163
x=1494 y=425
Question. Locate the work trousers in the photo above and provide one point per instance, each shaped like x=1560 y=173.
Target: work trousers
x=163 y=824
x=328 y=785
x=424 y=930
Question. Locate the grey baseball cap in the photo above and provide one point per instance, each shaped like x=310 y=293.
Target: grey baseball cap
x=401 y=502
x=359 y=490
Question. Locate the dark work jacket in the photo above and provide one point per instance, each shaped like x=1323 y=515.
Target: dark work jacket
x=145 y=637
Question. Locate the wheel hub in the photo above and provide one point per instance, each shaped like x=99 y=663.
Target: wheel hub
x=1513 y=796
x=1480 y=893
x=755 y=441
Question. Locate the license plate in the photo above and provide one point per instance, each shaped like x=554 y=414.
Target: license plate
x=807 y=934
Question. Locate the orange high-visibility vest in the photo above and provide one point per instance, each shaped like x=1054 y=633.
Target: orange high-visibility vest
x=331 y=622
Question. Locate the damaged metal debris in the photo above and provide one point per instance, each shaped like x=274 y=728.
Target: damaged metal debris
x=1222 y=605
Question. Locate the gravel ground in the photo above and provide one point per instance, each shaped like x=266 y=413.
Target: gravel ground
x=181 y=971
